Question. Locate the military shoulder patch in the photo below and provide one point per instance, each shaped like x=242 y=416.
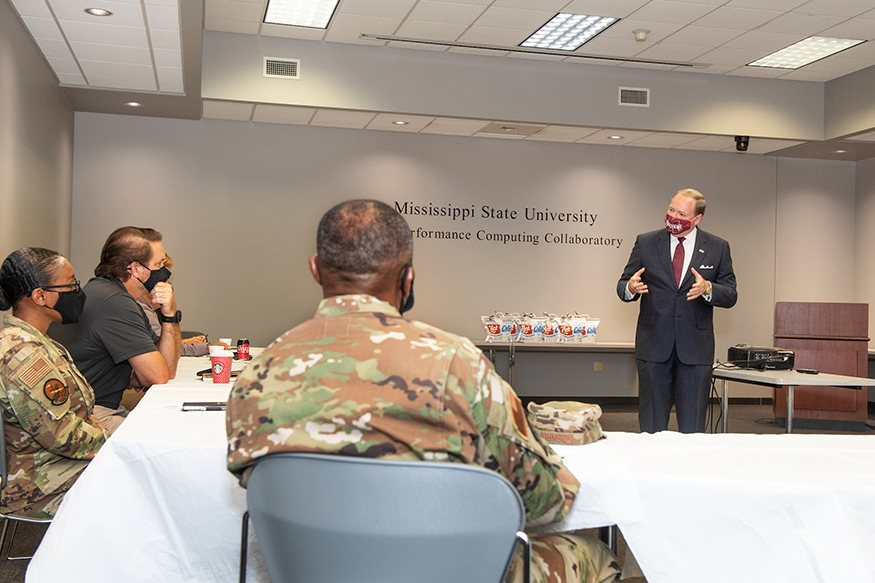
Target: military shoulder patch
x=56 y=391
x=36 y=371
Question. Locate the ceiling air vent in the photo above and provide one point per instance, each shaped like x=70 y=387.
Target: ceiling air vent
x=635 y=97
x=282 y=68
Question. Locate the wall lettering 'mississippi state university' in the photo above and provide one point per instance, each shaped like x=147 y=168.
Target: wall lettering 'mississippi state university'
x=564 y=230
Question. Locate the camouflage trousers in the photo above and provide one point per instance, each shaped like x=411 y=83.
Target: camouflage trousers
x=566 y=558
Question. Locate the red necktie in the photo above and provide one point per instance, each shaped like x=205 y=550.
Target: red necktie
x=677 y=261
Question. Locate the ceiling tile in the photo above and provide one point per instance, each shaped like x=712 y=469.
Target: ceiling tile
x=64 y=65
x=167 y=58
x=363 y=24
x=859 y=28
x=615 y=8
x=446 y=12
x=169 y=2
x=163 y=17
x=562 y=134
x=43 y=28
x=737 y=57
x=664 y=140
x=54 y=48
x=624 y=30
x=339 y=36
x=613 y=47
x=231 y=26
x=226 y=10
x=704 y=36
x=385 y=121
x=481 y=52
x=498 y=136
x=640 y=65
x=768 y=42
x=169 y=74
x=502 y=37
x=551 y=5
x=709 y=143
x=227 y=110
x=126 y=36
x=673 y=12
x=801 y=24
x=763 y=146
x=126 y=84
x=592 y=61
x=536 y=56
x=782 y=5
x=69 y=79
x=530 y=20
x=846 y=8
x=803 y=75
x=603 y=137
x=417 y=46
x=338 y=118
x=123 y=13
x=298 y=32
x=673 y=52
x=283 y=114
x=431 y=30
x=740 y=18
x=165 y=39
x=117 y=70
x=171 y=87
x=761 y=72
x=112 y=54
x=382 y=8
x=454 y=127
x=36 y=8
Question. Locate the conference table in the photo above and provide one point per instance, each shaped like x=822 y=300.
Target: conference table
x=157 y=503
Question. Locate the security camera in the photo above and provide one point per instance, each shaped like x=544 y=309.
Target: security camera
x=741 y=143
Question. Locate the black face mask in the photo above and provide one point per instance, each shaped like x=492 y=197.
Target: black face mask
x=409 y=303
x=155 y=276
x=70 y=305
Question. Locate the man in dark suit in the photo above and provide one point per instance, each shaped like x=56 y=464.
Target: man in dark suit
x=680 y=273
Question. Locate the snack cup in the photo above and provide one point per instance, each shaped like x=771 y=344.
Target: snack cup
x=221 y=365
x=550 y=331
x=592 y=326
x=493 y=328
x=527 y=329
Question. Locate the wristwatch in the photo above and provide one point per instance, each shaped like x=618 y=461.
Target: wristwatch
x=174 y=319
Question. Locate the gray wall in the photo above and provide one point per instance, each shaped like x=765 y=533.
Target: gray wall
x=36 y=145
x=238 y=203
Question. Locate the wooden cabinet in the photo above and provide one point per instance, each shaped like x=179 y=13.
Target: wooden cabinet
x=832 y=338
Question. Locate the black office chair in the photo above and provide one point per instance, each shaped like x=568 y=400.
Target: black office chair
x=7 y=518
x=326 y=518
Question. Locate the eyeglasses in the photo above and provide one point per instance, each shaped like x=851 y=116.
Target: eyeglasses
x=75 y=285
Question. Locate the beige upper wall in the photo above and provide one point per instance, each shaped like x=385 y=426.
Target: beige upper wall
x=849 y=106
x=507 y=89
x=36 y=145
x=239 y=202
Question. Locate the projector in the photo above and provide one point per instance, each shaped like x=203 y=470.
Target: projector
x=762 y=357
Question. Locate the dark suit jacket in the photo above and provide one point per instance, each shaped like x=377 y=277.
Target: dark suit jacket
x=666 y=317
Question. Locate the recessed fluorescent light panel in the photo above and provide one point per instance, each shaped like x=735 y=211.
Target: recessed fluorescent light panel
x=804 y=52
x=309 y=13
x=566 y=32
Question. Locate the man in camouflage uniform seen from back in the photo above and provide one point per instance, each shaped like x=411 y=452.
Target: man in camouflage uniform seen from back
x=360 y=380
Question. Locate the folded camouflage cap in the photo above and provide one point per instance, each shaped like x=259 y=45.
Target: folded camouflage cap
x=566 y=422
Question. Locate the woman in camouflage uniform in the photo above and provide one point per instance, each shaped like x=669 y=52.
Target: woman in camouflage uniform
x=45 y=401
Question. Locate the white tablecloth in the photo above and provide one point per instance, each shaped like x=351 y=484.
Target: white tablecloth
x=157 y=504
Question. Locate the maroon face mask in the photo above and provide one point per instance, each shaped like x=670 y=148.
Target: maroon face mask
x=676 y=226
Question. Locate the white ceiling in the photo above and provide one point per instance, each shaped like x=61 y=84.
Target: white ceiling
x=146 y=49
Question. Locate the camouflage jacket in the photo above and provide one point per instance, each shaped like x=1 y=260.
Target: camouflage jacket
x=47 y=410
x=360 y=380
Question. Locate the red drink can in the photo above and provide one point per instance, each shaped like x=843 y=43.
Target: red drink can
x=243 y=349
